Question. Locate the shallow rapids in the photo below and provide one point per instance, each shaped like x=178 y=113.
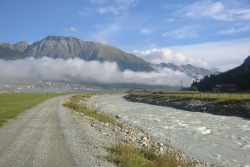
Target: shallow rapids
x=220 y=140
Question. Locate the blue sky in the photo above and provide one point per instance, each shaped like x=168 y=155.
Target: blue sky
x=207 y=33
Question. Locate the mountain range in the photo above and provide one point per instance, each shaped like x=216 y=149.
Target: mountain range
x=70 y=47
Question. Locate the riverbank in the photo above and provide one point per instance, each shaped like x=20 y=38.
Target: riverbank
x=227 y=108
x=129 y=136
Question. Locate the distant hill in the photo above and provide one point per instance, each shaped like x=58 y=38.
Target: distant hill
x=239 y=75
x=10 y=54
x=19 y=46
x=189 y=69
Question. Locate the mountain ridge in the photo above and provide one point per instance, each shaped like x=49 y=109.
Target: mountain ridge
x=71 y=47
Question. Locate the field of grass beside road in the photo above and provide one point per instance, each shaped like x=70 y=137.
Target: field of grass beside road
x=11 y=104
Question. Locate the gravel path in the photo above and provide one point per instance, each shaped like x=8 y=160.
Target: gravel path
x=51 y=135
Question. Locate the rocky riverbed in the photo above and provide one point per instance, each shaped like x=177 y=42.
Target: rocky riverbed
x=233 y=108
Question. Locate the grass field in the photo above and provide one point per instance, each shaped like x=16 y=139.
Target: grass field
x=11 y=104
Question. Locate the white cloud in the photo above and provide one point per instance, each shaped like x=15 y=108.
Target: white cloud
x=73 y=29
x=216 y=10
x=145 y=31
x=115 y=6
x=107 y=31
x=80 y=70
x=165 y=55
x=184 y=32
x=110 y=9
x=243 y=14
x=85 y=12
x=234 y=30
x=224 y=55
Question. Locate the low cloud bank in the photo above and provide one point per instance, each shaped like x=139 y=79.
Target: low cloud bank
x=165 y=55
x=80 y=70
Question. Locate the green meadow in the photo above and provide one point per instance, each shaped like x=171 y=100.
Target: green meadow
x=11 y=104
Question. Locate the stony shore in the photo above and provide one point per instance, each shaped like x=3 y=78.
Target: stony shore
x=234 y=108
x=136 y=137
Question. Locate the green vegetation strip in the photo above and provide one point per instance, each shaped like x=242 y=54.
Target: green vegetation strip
x=124 y=155
x=215 y=98
x=74 y=103
x=11 y=104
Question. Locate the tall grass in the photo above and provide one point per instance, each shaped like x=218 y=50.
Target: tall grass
x=11 y=104
x=128 y=156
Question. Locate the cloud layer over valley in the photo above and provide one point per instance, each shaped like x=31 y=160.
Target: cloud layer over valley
x=165 y=55
x=80 y=70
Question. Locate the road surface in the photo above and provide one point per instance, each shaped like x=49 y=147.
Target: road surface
x=49 y=134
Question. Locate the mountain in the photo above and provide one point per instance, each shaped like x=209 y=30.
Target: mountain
x=69 y=47
x=9 y=54
x=190 y=70
x=239 y=76
x=19 y=46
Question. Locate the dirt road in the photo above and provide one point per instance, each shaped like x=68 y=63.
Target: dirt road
x=51 y=135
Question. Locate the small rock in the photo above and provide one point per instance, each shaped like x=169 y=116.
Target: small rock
x=144 y=144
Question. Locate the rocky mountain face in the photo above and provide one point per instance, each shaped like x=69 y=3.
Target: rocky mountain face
x=189 y=69
x=19 y=46
x=69 y=47
x=9 y=54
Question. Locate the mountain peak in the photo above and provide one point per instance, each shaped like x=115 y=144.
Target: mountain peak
x=70 y=47
x=57 y=38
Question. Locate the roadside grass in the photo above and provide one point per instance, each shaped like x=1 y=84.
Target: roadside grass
x=125 y=155
x=74 y=103
x=11 y=104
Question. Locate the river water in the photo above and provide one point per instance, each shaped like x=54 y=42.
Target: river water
x=220 y=140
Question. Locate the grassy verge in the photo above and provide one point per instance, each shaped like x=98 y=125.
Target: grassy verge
x=128 y=155
x=11 y=104
x=74 y=103
x=125 y=155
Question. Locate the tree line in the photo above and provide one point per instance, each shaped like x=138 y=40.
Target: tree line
x=239 y=76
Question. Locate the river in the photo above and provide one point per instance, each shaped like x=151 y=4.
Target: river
x=219 y=140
